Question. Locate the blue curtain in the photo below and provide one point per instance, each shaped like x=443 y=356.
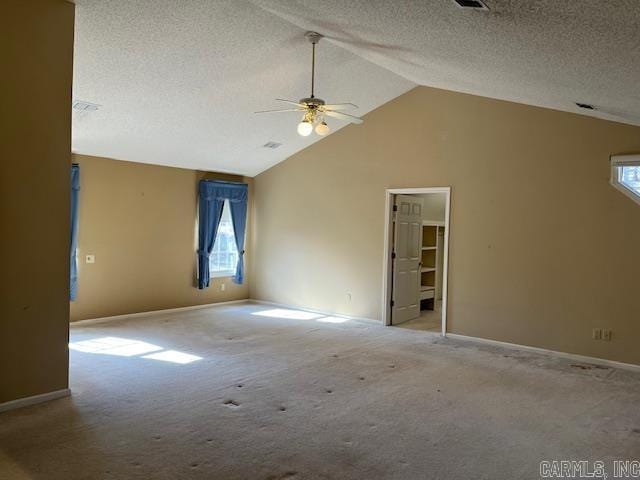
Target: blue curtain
x=239 y=219
x=75 y=187
x=212 y=195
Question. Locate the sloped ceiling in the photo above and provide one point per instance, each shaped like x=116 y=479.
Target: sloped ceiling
x=549 y=53
x=179 y=81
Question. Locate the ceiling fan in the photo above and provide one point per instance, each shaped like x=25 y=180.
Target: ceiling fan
x=314 y=109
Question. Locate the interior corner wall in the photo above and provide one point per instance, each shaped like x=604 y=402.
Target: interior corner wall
x=139 y=221
x=542 y=248
x=35 y=154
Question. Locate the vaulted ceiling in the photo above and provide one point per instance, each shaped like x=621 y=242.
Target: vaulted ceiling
x=178 y=81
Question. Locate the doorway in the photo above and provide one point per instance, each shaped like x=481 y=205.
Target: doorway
x=416 y=253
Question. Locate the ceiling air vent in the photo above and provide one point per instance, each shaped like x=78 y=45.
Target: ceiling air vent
x=272 y=145
x=586 y=106
x=477 y=4
x=83 y=106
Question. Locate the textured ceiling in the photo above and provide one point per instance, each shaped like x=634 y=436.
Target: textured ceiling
x=549 y=53
x=178 y=82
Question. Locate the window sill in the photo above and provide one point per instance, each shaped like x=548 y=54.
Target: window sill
x=228 y=273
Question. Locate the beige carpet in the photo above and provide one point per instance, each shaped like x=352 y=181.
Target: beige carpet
x=308 y=398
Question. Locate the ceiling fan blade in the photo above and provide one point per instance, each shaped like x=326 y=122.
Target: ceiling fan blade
x=301 y=105
x=340 y=106
x=343 y=116
x=282 y=110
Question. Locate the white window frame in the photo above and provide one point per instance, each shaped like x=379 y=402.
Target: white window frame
x=224 y=273
x=618 y=161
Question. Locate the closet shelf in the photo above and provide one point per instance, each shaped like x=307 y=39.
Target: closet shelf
x=431 y=256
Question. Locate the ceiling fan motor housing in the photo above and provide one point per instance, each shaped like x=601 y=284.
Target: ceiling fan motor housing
x=312 y=102
x=313 y=37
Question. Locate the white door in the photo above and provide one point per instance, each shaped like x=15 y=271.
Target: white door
x=406 y=255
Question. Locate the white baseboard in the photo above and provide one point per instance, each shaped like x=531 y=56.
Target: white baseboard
x=93 y=321
x=26 y=401
x=311 y=310
x=569 y=356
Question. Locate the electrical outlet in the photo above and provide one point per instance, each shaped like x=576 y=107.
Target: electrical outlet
x=348 y=297
x=222 y=287
x=597 y=334
x=90 y=259
x=606 y=334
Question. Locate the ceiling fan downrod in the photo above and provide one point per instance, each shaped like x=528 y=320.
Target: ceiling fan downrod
x=314 y=38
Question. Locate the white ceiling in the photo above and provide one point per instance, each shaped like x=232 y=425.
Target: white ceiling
x=178 y=80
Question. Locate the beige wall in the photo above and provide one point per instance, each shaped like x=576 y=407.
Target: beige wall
x=139 y=221
x=542 y=248
x=35 y=120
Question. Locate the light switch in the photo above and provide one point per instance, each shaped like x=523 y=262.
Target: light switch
x=90 y=259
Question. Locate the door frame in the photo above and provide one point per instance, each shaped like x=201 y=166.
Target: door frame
x=387 y=269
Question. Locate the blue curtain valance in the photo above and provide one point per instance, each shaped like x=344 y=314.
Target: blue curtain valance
x=219 y=190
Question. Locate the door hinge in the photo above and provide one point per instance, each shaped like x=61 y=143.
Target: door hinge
x=392 y=303
x=395 y=208
x=393 y=255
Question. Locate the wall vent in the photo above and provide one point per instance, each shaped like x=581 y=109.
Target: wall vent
x=83 y=106
x=586 y=106
x=476 y=4
x=272 y=145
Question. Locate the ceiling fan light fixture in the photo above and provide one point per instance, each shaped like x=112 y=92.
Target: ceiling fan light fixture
x=315 y=109
x=305 y=128
x=322 y=129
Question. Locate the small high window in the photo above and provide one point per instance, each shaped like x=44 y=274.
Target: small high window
x=625 y=175
x=224 y=257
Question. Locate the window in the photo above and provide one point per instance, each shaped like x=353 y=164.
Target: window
x=224 y=257
x=625 y=175
x=630 y=177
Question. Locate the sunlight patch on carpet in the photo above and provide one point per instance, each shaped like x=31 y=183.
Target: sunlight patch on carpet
x=173 y=357
x=128 y=347
x=299 y=315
